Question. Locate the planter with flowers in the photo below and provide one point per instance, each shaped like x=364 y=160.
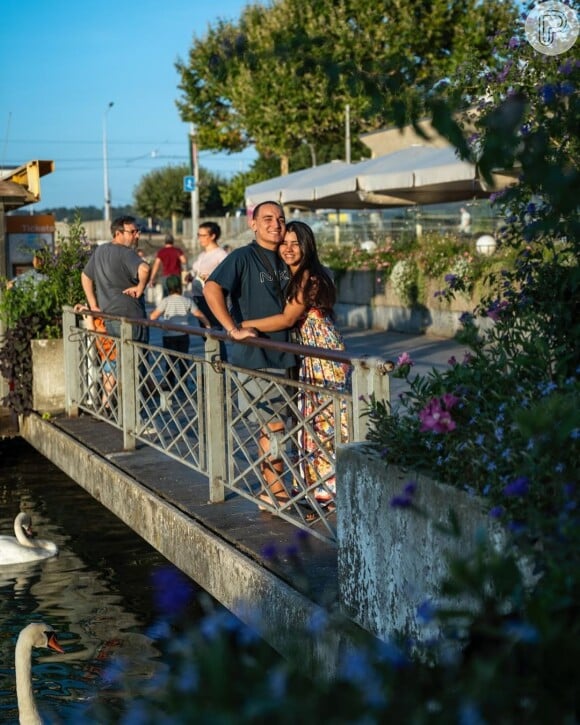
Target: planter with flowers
x=31 y=351
x=398 y=285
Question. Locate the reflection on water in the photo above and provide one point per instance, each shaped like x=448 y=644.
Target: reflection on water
x=97 y=593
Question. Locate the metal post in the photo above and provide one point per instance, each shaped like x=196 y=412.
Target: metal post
x=107 y=214
x=216 y=449
x=347 y=134
x=72 y=372
x=195 y=192
x=370 y=380
x=127 y=363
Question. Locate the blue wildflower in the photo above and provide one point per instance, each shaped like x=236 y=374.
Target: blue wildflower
x=566 y=88
x=469 y=714
x=496 y=512
x=479 y=439
x=519 y=487
x=318 y=622
x=516 y=527
x=522 y=632
x=391 y=653
x=172 y=590
x=400 y=502
x=270 y=551
x=425 y=612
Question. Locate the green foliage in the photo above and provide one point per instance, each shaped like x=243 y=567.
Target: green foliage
x=60 y=285
x=160 y=194
x=33 y=310
x=285 y=72
x=507 y=652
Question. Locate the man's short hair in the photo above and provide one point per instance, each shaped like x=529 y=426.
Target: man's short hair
x=118 y=224
x=264 y=203
x=169 y=238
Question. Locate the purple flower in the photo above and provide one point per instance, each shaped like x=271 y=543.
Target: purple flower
x=404 y=500
x=436 y=417
x=173 y=590
x=513 y=43
x=548 y=93
x=270 y=551
x=452 y=361
x=401 y=502
x=425 y=612
x=566 y=68
x=404 y=359
x=519 y=487
x=496 y=512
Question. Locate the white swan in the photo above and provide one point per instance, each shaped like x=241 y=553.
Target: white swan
x=24 y=548
x=34 y=635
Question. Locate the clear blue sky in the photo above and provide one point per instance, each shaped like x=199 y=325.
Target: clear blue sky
x=64 y=61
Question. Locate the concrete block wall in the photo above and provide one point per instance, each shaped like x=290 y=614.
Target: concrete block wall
x=391 y=560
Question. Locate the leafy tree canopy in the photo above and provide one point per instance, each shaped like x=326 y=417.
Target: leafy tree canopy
x=160 y=194
x=284 y=73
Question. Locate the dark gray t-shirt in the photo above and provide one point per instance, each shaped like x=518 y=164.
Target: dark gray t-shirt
x=113 y=268
x=253 y=293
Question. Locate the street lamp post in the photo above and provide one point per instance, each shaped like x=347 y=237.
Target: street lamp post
x=107 y=215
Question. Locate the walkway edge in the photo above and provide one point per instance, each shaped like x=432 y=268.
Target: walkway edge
x=251 y=592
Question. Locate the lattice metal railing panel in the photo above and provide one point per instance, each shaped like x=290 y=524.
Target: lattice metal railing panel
x=98 y=376
x=170 y=404
x=303 y=478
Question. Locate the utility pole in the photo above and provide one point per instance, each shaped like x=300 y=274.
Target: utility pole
x=107 y=214
x=347 y=134
x=195 y=192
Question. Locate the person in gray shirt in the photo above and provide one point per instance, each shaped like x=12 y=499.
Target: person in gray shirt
x=115 y=277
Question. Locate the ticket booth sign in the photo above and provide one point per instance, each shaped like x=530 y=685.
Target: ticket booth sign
x=26 y=234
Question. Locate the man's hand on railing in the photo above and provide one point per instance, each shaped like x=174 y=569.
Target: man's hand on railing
x=237 y=333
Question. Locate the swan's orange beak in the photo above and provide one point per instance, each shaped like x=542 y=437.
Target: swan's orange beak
x=53 y=643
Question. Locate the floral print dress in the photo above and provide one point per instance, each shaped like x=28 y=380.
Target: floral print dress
x=317 y=438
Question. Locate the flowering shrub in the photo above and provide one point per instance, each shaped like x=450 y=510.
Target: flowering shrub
x=61 y=285
x=404 y=280
x=33 y=310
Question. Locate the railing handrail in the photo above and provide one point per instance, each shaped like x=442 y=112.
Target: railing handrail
x=262 y=342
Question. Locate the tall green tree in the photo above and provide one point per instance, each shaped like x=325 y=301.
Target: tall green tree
x=284 y=74
x=160 y=194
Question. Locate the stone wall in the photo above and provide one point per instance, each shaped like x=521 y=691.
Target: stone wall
x=390 y=560
x=365 y=301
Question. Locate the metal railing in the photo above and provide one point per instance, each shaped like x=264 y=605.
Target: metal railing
x=209 y=415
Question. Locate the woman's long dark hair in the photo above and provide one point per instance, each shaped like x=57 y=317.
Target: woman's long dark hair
x=318 y=290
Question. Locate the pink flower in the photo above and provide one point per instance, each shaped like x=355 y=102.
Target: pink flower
x=405 y=359
x=436 y=417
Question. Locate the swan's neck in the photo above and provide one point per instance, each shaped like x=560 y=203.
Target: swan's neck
x=27 y=709
x=22 y=537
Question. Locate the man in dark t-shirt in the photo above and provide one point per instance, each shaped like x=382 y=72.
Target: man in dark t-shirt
x=115 y=277
x=254 y=278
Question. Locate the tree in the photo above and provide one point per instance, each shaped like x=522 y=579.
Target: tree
x=160 y=194
x=284 y=73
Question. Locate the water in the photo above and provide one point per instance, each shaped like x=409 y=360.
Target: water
x=98 y=594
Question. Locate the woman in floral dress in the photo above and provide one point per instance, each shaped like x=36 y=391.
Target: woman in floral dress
x=311 y=295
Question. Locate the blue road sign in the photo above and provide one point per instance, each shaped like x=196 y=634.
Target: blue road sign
x=189 y=183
